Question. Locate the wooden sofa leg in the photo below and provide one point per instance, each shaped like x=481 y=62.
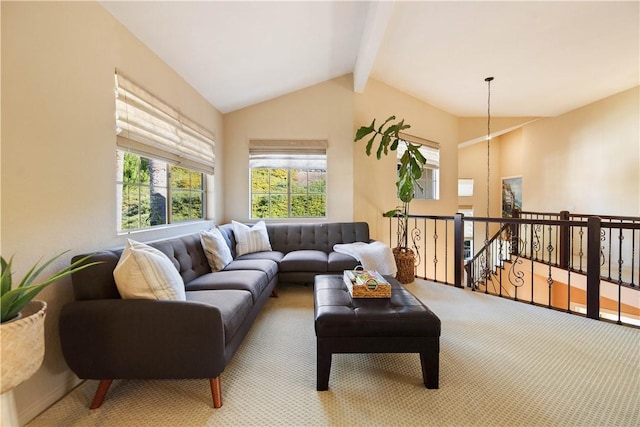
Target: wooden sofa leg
x=101 y=392
x=216 y=392
x=274 y=293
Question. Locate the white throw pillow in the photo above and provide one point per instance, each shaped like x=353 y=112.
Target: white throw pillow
x=251 y=239
x=143 y=272
x=216 y=249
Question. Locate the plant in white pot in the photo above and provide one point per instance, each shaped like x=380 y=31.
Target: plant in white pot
x=22 y=319
x=411 y=166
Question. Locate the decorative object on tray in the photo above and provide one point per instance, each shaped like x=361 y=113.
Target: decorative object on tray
x=366 y=284
x=409 y=174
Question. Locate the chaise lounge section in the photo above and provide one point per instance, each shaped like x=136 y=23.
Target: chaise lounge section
x=106 y=337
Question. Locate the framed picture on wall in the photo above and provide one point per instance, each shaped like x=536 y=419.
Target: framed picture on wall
x=511 y=196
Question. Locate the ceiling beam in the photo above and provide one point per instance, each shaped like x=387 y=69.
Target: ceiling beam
x=375 y=26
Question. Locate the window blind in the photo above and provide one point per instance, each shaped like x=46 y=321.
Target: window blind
x=150 y=127
x=307 y=154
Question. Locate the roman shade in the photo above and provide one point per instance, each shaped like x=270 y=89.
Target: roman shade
x=150 y=127
x=299 y=154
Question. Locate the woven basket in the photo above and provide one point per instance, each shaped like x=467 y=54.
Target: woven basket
x=22 y=348
x=405 y=261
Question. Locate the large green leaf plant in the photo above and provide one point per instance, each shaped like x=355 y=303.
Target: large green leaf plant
x=13 y=300
x=411 y=165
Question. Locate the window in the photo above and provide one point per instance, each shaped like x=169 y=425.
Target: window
x=288 y=179
x=153 y=192
x=465 y=187
x=428 y=186
x=468 y=249
x=162 y=158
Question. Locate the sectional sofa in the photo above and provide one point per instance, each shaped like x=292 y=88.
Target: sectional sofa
x=105 y=336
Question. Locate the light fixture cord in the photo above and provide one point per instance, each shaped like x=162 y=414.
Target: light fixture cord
x=488 y=80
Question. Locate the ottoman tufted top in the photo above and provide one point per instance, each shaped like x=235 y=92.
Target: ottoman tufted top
x=338 y=315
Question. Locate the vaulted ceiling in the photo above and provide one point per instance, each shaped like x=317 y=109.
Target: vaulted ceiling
x=547 y=57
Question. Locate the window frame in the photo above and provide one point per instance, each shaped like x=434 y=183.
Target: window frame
x=168 y=188
x=304 y=156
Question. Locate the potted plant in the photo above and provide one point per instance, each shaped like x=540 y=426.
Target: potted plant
x=22 y=320
x=409 y=174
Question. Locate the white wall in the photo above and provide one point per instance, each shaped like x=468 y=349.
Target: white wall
x=58 y=149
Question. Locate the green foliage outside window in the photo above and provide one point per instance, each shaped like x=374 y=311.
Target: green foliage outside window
x=288 y=193
x=156 y=193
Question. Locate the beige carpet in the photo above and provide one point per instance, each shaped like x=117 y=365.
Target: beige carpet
x=501 y=363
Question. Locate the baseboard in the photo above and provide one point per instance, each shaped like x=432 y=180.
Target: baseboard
x=29 y=412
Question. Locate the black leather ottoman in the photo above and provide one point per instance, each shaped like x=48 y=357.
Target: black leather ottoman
x=400 y=324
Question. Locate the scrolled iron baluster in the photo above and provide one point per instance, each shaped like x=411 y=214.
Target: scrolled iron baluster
x=550 y=278
x=603 y=238
x=633 y=257
x=536 y=239
x=435 y=252
x=416 y=236
x=516 y=277
x=486 y=274
x=581 y=252
x=620 y=260
x=400 y=232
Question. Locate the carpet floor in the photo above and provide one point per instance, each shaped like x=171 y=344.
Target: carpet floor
x=502 y=363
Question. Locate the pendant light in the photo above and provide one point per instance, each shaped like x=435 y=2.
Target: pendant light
x=488 y=80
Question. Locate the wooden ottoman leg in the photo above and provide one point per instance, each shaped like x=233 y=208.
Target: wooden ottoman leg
x=323 y=369
x=430 y=361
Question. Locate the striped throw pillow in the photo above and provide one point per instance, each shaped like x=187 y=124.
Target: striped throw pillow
x=143 y=272
x=251 y=239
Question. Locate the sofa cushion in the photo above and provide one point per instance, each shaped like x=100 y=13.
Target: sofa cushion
x=315 y=236
x=254 y=281
x=216 y=249
x=251 y=239
x=144 y=272
x=340 y=262
x=234 y=307
x=275 y=256
x=305 y=260
x=269 y=267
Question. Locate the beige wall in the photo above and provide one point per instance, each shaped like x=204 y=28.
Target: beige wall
x=58 y=148
x=472 y=163
x=511 y=155
x=474 y=129
x=323 y=111
x=585 y=161
x=374 y=180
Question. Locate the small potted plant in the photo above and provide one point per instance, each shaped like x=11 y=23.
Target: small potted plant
x=409 y=174
x=22 y=320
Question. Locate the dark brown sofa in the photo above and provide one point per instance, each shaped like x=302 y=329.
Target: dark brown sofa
x=105 y=337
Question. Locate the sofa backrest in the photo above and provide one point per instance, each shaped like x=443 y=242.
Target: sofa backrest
x=321 y=236
x=97 y=282
x=186 y=253
x=287 y=237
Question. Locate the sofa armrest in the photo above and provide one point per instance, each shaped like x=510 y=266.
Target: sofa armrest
x=142 y=339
